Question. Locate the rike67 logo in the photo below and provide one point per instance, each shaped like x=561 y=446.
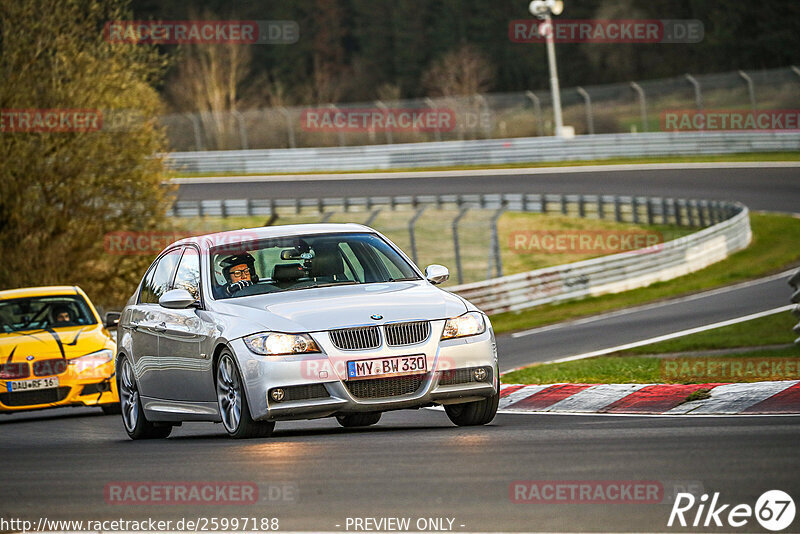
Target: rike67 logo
x=774 y=510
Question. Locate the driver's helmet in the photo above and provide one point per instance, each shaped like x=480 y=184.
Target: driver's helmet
x=232 y=261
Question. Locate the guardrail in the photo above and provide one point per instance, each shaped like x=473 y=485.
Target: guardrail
x=794 y=281
x=727 y=229
x=482 y=152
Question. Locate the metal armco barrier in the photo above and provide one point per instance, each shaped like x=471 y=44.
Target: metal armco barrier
x=728 y=231
x=482 y=152
x=794 y=281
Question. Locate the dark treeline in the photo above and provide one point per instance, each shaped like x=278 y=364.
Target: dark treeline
x=357 y=47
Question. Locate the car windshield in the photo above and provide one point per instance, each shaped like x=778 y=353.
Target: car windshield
x=33 y=313
x=303 y=262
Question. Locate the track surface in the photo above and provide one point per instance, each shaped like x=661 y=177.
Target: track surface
x=770 y=188
x=416 y=464
x=413 y=464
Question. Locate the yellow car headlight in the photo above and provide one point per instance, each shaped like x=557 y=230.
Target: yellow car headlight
x=91 y=361
x=469 y=324
x=276 y=344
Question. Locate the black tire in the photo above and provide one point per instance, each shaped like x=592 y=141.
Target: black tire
x=232 y=398
x=111 y=409
x=359 y=419
x=133 y=419
x=477 y=412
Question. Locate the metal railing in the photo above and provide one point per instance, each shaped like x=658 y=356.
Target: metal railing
x=482 y=152
x=727 y=229
x=794 y=281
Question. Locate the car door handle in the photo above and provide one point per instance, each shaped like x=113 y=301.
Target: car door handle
x=160 y=327
x=132 y=326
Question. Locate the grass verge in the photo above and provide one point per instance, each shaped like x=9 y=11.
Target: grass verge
x=652 y=370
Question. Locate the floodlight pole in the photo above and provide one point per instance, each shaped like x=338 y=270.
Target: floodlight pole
x=554 y=87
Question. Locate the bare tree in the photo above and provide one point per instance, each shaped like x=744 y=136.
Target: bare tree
x=461 y=72
x=207 y=81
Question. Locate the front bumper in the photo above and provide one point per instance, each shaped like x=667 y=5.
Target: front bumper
x=448 y=379
x=94 y=388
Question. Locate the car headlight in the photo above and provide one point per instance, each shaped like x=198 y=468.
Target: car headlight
x=469 y=324
x=275 y=344
x=90 y=361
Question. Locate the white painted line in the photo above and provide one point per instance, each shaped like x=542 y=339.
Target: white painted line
x=733 y=398
x=661 y=304
x=484 y=172
x=595 y=398
x=676 y=334
x=520 y=394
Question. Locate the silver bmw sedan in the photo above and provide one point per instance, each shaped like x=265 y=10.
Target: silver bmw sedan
x=298 y=322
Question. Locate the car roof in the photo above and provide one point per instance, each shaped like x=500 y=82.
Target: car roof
x=265 y=232
x=45 y=291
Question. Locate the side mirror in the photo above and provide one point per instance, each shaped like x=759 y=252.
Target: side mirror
x=437 y=274
x=176 y=299
x=112 y=320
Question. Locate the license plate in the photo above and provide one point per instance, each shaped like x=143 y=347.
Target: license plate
x=25 y=385
x=379 y=367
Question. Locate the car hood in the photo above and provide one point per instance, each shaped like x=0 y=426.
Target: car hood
x=69 y=342
x=326 y=308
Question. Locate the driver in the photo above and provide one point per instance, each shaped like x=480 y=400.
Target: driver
x=62 y=314
x=239 y=272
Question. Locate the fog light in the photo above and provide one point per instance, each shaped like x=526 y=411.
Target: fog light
x=479 y=374
x=277 y=394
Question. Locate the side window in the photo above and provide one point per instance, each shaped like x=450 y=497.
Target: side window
x=158 y=282
x=188 y=275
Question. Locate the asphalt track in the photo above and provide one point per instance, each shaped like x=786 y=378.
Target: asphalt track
x=412 y=464
x=769 y=188
x=56 y=464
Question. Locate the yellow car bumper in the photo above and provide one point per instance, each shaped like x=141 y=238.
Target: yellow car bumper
x=92 y=387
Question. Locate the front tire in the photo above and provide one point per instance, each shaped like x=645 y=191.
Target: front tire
x=233 y=406
x=136 y=424
x=358 y=419
x=477 y=412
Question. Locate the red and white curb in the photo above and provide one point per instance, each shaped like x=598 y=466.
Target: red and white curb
x=778 y=397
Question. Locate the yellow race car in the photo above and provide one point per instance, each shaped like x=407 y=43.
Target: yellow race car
x=54 y=351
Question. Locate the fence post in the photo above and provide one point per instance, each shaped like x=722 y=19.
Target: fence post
x=537 y=111
x=589 y=115
x=289 y=126
x=649 y=211
x=601 y=214
x=794 y=281
x=691 y=205
x=198 y=138
x=494 y=246
x=242 y=130
x=412 y=238
x=750 y=88
x=327 y=216
x=642 y=103
x=664 y=211
x=436 y=132
x=617 y=210
x=698 y=95
x=456 y=246
x=372 y=217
